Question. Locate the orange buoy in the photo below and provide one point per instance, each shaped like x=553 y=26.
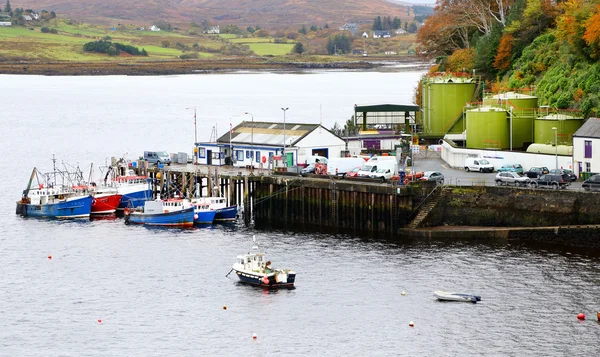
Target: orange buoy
x=411 y=324
x=598 y=314
x=224 y=307
x=581 y=316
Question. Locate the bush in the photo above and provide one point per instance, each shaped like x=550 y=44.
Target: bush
x=189 y=55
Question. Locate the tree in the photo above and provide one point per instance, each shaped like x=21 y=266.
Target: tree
x=503 y=53
x=7 y=7
x=303 y=30
x=339 y=44
x=298 y=48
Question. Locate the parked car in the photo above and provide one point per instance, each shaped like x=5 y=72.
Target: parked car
x=310 y=169
x=550 y=181
x=433 y=176
x=382 y=174
x=481 y=165
x=353 y=172
x=568 y=174
x=511 y=167
x=536 y=171
x=592 y=183
x=511 y=178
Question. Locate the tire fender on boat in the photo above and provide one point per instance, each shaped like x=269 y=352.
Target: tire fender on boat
x=127 y=211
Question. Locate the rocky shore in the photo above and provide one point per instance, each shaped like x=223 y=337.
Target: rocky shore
x=145 y=68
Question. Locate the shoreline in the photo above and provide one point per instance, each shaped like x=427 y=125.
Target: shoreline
x=173 y=67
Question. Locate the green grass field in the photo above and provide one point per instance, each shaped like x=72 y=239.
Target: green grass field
x=274 y=49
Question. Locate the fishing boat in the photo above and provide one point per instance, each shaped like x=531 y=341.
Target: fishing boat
x=447 y=296
x=134 y=189
x=174 y=212
x=225 y=213
x=203 y=214
x=106 y=199
x=52 y=199
x=253 y=268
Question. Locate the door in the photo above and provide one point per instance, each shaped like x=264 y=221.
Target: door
x=289 y=159
x=209 y=157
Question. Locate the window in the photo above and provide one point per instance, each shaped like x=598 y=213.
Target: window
x=239 y=154
x=248 y=154
x=588 y=150
x=202 y=152
x=257 y=156
x=588 y=167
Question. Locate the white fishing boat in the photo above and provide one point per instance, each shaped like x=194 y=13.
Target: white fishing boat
x=253 y=268
x=449 y=296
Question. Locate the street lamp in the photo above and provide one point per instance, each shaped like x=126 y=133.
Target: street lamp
x=284 y=110
x=555 y=146
x=251 y=139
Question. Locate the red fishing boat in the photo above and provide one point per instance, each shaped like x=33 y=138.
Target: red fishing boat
x=106 y=200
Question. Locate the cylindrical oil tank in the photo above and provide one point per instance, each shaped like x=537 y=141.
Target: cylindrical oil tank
x=522 y=110
x=563 y=150
x=443 y=99
x=565 y=125
x=487 y=128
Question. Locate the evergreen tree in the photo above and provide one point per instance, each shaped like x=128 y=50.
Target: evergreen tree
x=303 y=30
x=7 y=8
x=298 y=48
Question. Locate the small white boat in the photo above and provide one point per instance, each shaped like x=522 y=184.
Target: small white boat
x=446 y=296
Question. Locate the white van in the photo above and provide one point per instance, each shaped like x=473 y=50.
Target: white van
x=342 y=165
x=157 y=157
x=314 y=158
x=385 y=170
x=478 y=164
x=372 y=165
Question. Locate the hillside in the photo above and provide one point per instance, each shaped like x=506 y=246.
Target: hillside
x=265 y=13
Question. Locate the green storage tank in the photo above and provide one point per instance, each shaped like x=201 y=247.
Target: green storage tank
x=443 y=99
x=487 y=128
x=565 y=125
x=524 y=111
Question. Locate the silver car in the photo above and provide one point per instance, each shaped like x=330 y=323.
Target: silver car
x=511 y=178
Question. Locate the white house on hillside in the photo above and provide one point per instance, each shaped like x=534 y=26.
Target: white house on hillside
x=586 y=147
x=260 y=144
x=154 y=28
x=213 y=30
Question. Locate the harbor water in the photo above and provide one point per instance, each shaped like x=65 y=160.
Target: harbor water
x=101 y=288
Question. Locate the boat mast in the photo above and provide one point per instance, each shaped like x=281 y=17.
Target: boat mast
x=26 y=191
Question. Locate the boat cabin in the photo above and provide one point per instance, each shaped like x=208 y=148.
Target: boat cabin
x=252 y=261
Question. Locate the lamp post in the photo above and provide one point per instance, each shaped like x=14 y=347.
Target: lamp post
x=251 y=139
x=555 y=147
x=284 y=110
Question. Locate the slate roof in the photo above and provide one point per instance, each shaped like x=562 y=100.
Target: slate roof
x=267 y=133
x=589 y=129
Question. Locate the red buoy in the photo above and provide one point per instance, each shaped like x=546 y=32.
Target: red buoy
x=581 y=316
x=49 y=257
x=99 y=321
x=254 y=336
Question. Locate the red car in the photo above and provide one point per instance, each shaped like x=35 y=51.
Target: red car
x=353 y=172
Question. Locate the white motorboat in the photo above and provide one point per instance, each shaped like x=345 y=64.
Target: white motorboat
x=448 y=296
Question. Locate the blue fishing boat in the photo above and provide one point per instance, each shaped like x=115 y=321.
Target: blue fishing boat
x=253 y=268
x=53 y=200
x=135 y=190
x=224 y=213
x=176 y=212
x=203 y=214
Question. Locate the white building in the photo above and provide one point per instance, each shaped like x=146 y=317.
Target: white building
x=213 y=30
x=7 y=23
x=586 y=147
x=154 y=28
x=260 y=144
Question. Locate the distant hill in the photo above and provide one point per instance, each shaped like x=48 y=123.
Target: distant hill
x=265 y=13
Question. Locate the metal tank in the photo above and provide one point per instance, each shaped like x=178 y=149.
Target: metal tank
x=443 y=99
x=522 y=110
x=487 y=128
x=565 y=125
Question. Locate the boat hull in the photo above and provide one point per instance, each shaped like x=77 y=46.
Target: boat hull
x=259 y=279
x=72 y=208
x=445 y=296
x=226 y=214
x=106 y=204
x=204 y=217
x=134 y=199
x=182 y=218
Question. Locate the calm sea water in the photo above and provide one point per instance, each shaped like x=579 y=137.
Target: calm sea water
x=160 y=292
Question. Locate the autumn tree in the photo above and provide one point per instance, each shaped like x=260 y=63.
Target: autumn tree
x=592 y=33
x=503 y=54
